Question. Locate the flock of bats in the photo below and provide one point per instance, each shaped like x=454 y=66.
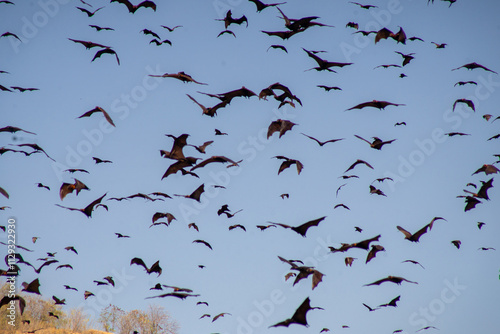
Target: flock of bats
x=187 y=165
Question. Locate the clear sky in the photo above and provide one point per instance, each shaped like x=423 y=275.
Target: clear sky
x=457 y=291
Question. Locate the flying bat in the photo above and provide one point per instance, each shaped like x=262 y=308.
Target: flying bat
x=171 y=29
x=203 y=242
x=472 y=66
x=220 y=315
x=22 y=90
x=87 y=211
x=98 y=28
x=377 y=142
x=456 y=243
x=32 y=287
x=324 y=64
x=106 y=50
x=439 y=45
x=209 y=111
x=228 y=19
x=487 y=169
x=68 y=188
x=392 y=303
x=228 y=96
x=373 y=252
x=215 y=158
x=232 y=227
x=7 y=34
x=6 y=300
x=101 y=161
x=98 y=109
x=469 y=103
x=352 y=25
x=89 y=13
x=385 y=33
x=184 y=77
x=158 y=42
x=277 y=46
x=416 y=236
x=133 y=8
x=261 y=6
x=406 y=57
x=288 y=162
x=155 y=268
x=299 y=317
x=363 y=6
x=302 y=229
x=180 y=295
x=283 y=34
x=357 y=162
x=281 y=126
x=304 y=272
x=393 y=279
x=320 y=143
x=483 y=191
x=374 y=190
x=462 y=83
x=375 y=104
x=36 y=149
x=414 y=262
x=150 y=32
x=13 y=129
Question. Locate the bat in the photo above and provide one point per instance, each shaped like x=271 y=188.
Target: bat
x=36 y=149
x=487 y=169
x=375 y=104
x=160 y=215
x=393 y=279
x=7 y=34
x=13 y=129
x=277 y=46
x=451 y=134
x=304 y=272
x=261 y=6
x=439 y=45
x=32 y=287
x=67 y=287
x=74 y=170
x=171 y=29
x=357 y=162
x=158 y=43
x=228 y=19
x=107 y=50
x=119 y=235
x=364 y=33
x=228 y=96
x=180 y=295
x=215 y=158
x=365 y=244
x=299 y=317
x=483 y=191
x=98 y=28
x=149 y=32
x=414 y=262
x=47 y=263
x=341 y=206
x=220 y=133
x=392 y=303
x=89 y=13
x=456 y=243
x=472 y=66
x=229 y=32
x=480 y=225
x=329 y=88
x=385 y=33
x=87 y=211
x=68 y=188
x=373 y=252
x=40 y=185
x=232 y=227
x=369 y=308
x=288 y=162
x=486 y=248
x=264 y=227
x=283 y=196
x=220 y=316
x=202 y=148
x=133 y=8
x=101 y=161
x=374 y=190
x=71 y=248
x=209 y=111
x=349 y=260
x=281 y=126
x=87 y=44
x=203 y=242
x=87 y=294
x=387 y=66
x=363 y=6
x=352 y=25
x=22 y=90
x=155 y=268
x=469 y=103
x=64 y=266
x=358 y=229
x=406 y=57
x=324 y=64
x=377 y=142
x=302 y=229
x=283 y=34
x=302 y=23
x=6 y=300
x=462 y=83
x=414 y=38
x=416 y=236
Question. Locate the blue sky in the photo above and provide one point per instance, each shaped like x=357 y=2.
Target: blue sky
x=457 y=290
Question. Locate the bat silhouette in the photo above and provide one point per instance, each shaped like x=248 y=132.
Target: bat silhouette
x=87 y=294
x=414 y=262
x=299 y=317
x=451 y=134
x=22 y=90
x=261 y=6
x=96 y=110
x=98 y=28
x=87 y=211
x=149 y=32
x=195 y=194
x=229 y=32
x=487 y=169
x=385 y=33
x=287 y=163
x=209 y=111
x=232 y=227
x=320 y=143
x=352 y=25
x=377 y=142
x=71 y=248
x=391 y=303
x=155 y=268
x=375 y=104
x=406 y=57
x=302 y=229
x=184 y=77
x=264 y=227
x=357 y=162
x=462 y=83
x=89 y=13
x=68 y=188
x=374 y=190
x=202 y=148
x=414 y=38
x=349 y=260
x=133 y=8
x=228 y=96
x=215 y=158
x=393 y=279
x=387 y=66
x=107 y=50
x=32 y=287
x=364 y=32
x=13 y=129
x=220 y=316
x=283 y=34
x=373 y=252
x=300 y=24
x=36 y=149
x=277 y=46
x=67 y=287
x=472 y=66
x=304 y=272
x=341 y=206
x=87 y=44
x=6 y=300
x=180 y=295
x=171 y=29
x=46 y=263
x=439 y=45
x=363 y=6
x=228 y=19
x=177 y=146
x=203 y=242
x=7 y=34
x=469 y=103
x=281 y=126
x=456 y=243
x=416 y=236
x=483 y=191
x=64 y=266
x=74 y=170
x=101 y=161
x=119 y=235
x=324 y=64
x=158 y=43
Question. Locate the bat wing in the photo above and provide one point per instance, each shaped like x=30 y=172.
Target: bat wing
x=420 y=232
x=383 y=33
x=273 y=127
x=317 y=278
x=89 y=208
x=302 y=229
x=106 y=115
x=155 y=268
x=197 y=193
x=362 y=139
x=139 y=262
x=380 y=281
x=203 y=242
x=366 y=243
x=483 y=191
x=407 y=234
